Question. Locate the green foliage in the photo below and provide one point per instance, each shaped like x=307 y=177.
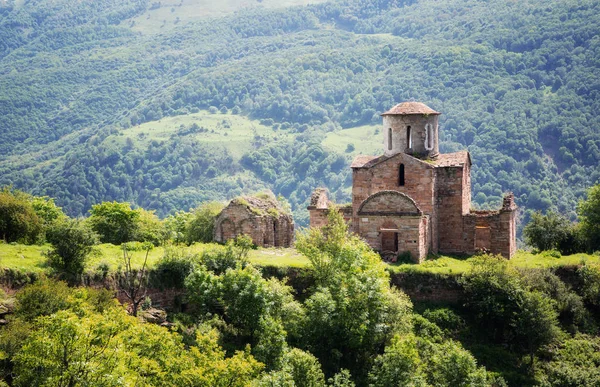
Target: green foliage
x=220 y=258
x=510 y=312
x=575 y=362
x=42 y=298
x=116 y=223
x=244 y=300
x=413 y=361
x=590 y=276
x=572 y=314
x=446 y=319
x=201 y=224
x=83 y=345
x=173 y=268
x=47 y=211
x=18 y=219
x=589 y=216
x=352 y=311
x=175 y=226
x=550 y=232
x=341 y=379
x=149 y=228
x=72 y=242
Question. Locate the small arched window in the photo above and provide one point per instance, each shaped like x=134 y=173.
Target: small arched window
x=390 y=139
x=401 y=175
x=428 y=136
x=408 y=138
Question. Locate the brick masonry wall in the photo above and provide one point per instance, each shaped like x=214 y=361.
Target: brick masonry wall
x=410 y=233
x=450 y=201
x=265 y=230
x=389 y=201
x=500 y=239
x=418 y=176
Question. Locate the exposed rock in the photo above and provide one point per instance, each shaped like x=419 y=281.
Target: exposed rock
x=154 y=316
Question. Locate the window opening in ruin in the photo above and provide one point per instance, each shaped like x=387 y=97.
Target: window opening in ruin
x=401 y=175
x=275 y=240
x=408 y=138
x=483 y=238
x=428 y=137
x=390 y=139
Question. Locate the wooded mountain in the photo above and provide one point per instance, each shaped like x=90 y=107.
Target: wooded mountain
x=168 y=104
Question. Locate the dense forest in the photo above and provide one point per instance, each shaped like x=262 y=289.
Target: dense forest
x=517 y=84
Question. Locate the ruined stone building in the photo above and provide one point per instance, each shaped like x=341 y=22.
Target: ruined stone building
x=261 y=217
x=414 y=199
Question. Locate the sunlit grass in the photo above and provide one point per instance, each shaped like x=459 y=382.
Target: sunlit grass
x=27 y=258
x=523 y=259
x=366 y=140
x=236 y=133
x=31 y=259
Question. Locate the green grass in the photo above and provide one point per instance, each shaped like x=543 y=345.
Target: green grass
x=522 y=259
x=31 y=259
x=366 y=139
x=233 y=132
x=173 y=13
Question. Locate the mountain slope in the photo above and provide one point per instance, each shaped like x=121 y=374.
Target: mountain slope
x=517 y=84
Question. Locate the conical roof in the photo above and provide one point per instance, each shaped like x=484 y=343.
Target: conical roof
x=406 y=108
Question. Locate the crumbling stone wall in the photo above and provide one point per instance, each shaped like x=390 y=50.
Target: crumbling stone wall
x=261 y=218
x=492 y=231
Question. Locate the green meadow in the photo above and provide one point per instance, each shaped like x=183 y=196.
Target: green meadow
x=31 y=259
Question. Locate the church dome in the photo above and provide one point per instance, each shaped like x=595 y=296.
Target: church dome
x=406 y=108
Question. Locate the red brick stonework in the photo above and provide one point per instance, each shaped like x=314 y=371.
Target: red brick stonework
x=413 y=199
x=261 y=218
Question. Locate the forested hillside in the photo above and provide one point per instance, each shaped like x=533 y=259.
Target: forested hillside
x=90 y=95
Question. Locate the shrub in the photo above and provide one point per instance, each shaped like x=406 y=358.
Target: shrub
x=589 y=217
x=202 y=223
x=172 y=269
x=42 y=298
x=18 y=220
x=72 y=242
x=114 y=222
x=551 y=232
x=235 y=253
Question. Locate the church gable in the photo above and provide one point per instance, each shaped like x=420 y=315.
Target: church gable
x=389 y=203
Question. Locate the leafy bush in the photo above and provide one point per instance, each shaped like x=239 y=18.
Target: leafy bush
x=18 y=219
x=41 y=299
x=172 y=269
x=72 y=242
x=220 y=258
x=115 y=222
x=446 y=319
x=202 y=223
x=548 y=232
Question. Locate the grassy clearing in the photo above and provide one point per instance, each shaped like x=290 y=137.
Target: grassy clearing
x=366 y=139
x=523 y=259
x=31 y=259
x=235 y=133
x=173 y=13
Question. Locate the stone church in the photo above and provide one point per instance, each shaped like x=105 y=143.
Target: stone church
x=414 y=199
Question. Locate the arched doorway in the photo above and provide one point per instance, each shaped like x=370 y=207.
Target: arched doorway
x=389 y=236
